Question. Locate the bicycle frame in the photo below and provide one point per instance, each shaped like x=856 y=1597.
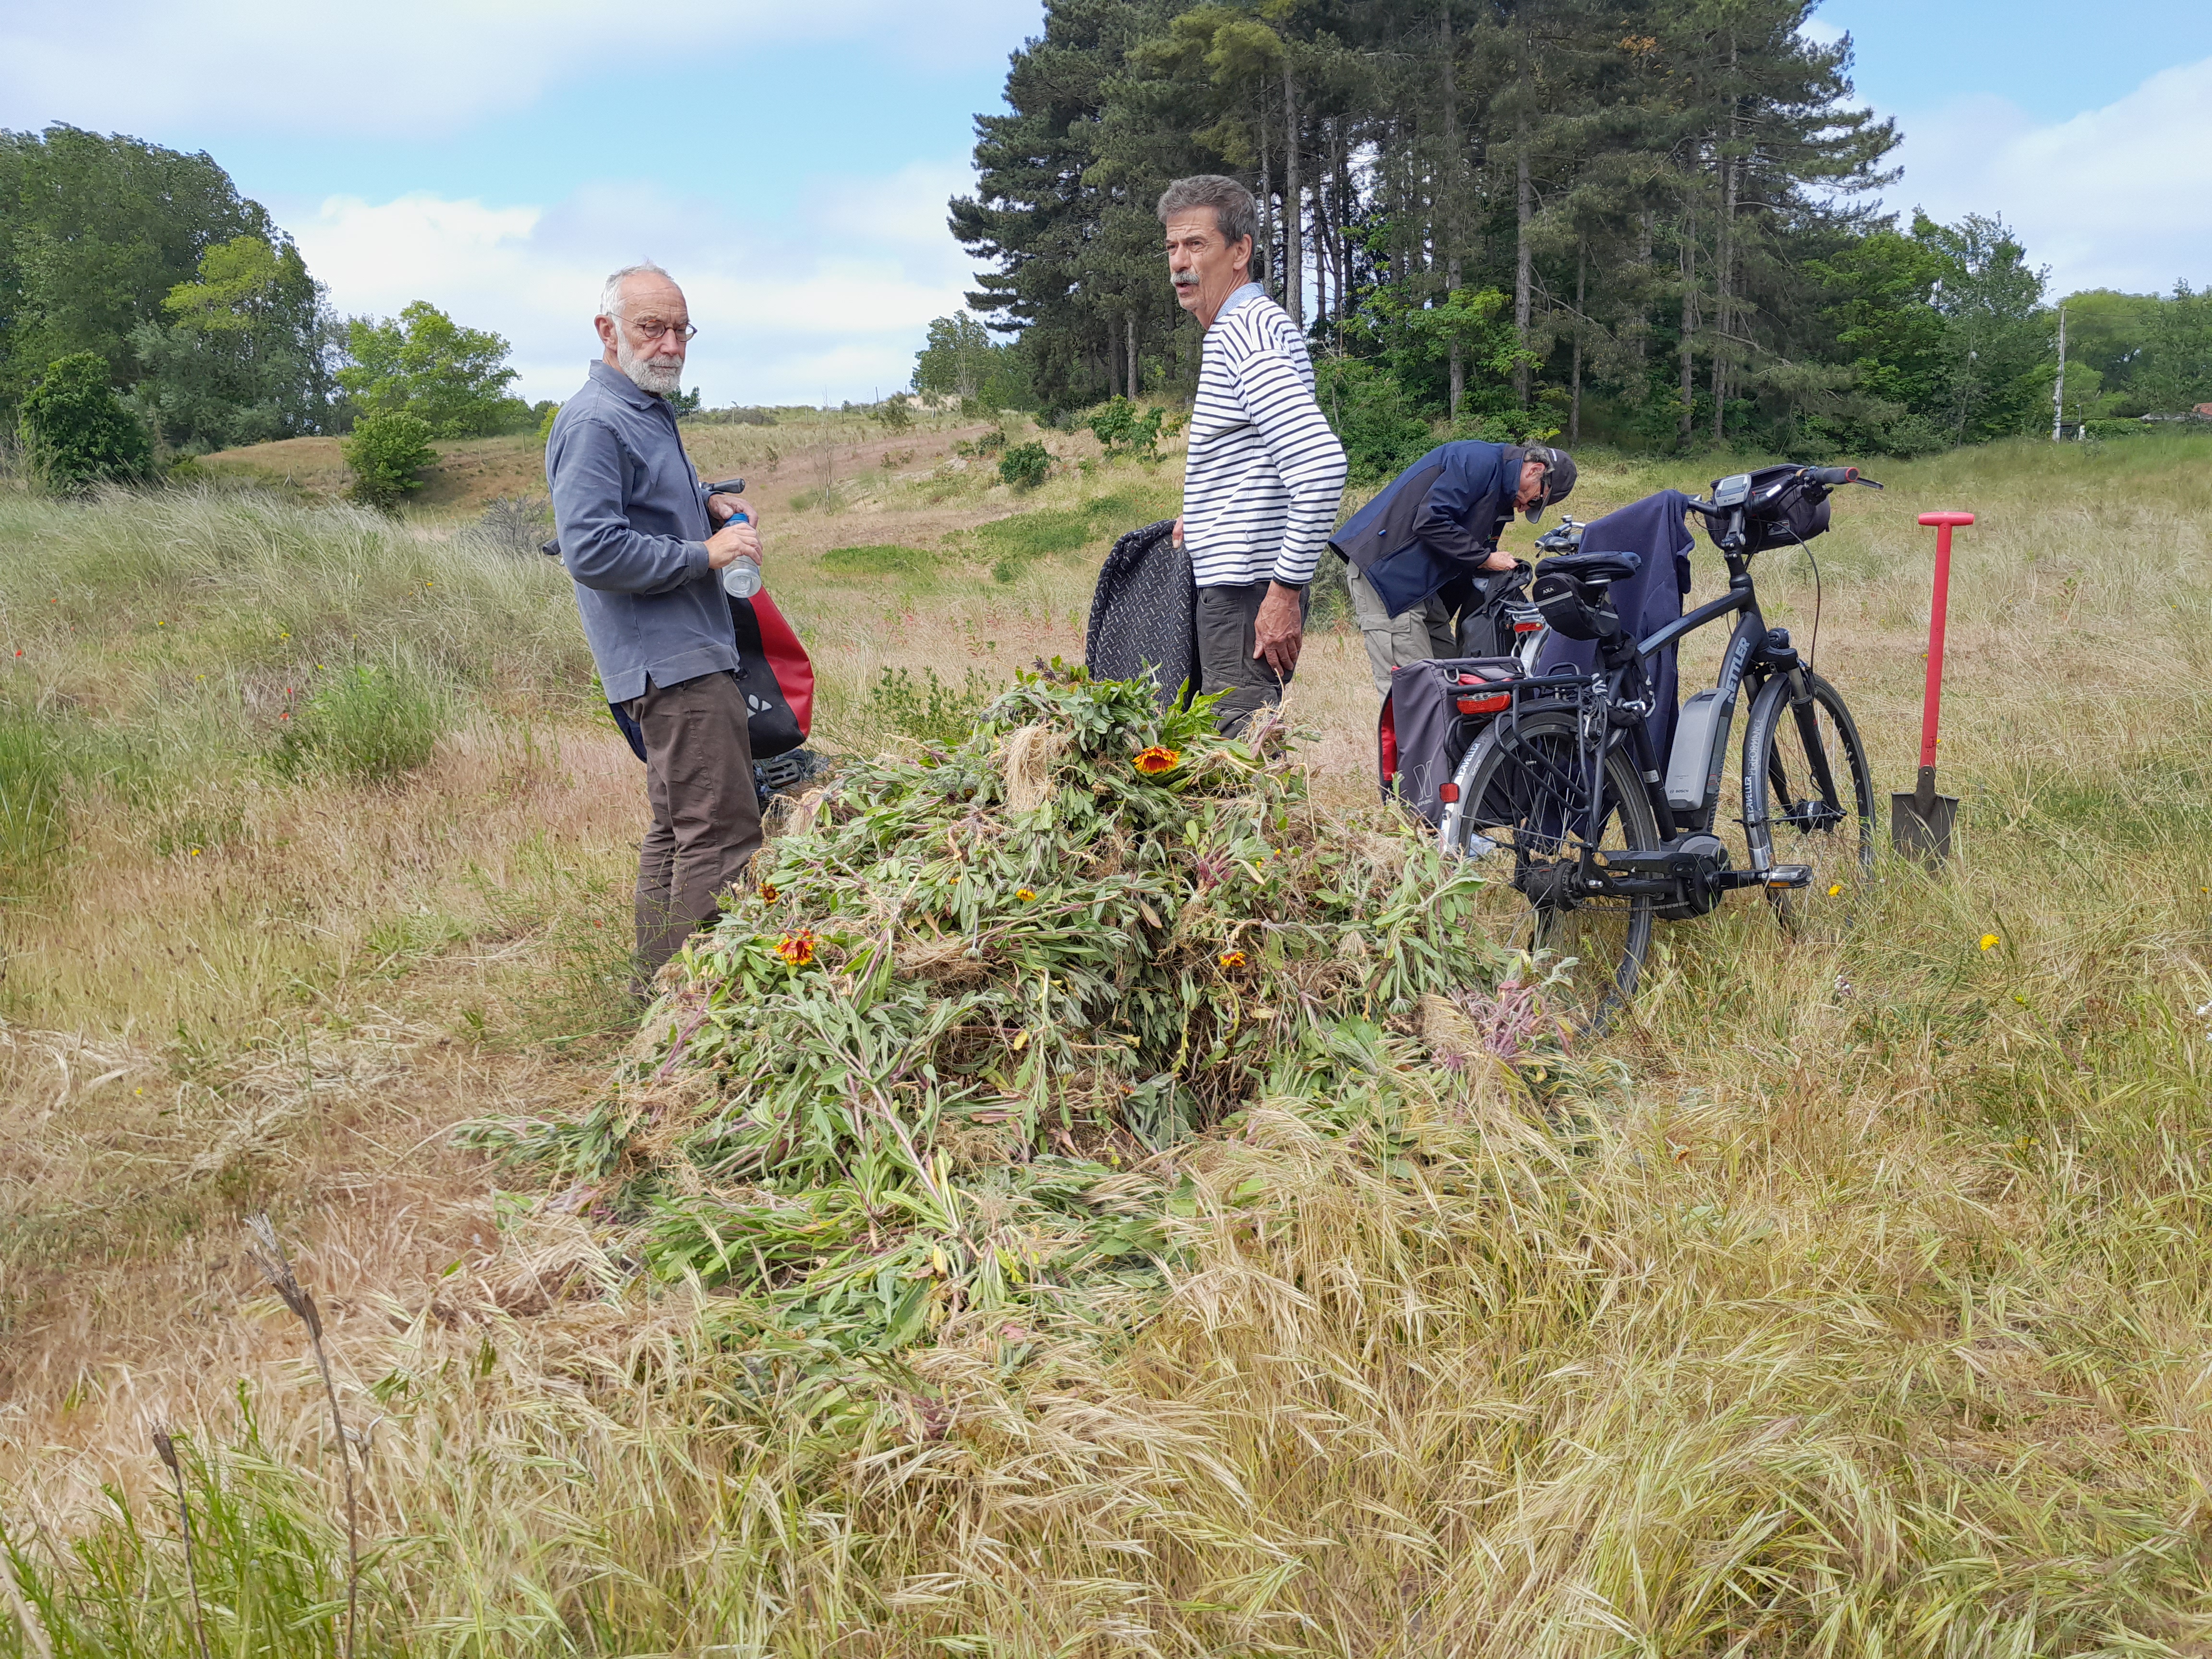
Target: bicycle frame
x=1753 y=655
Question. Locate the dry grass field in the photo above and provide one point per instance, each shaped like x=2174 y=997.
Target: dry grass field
x=1853 y=1295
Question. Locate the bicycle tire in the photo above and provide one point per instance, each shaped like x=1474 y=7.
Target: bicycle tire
x=1497 y=792
x=1783 y=822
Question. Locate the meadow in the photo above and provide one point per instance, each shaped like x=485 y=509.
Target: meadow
x=1850 y=1295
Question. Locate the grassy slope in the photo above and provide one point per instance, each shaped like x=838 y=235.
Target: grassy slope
x=1872 y=1314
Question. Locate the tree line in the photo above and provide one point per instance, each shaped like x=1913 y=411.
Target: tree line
x=1645 y=222
x=147 y=311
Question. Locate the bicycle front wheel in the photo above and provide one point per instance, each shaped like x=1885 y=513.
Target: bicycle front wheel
x=1807 y=790
x=1520 y=813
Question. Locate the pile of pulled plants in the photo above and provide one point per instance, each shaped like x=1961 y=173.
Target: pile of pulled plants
x=938 y=1069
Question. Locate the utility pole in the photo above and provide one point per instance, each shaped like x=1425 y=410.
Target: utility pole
x=2058 y=392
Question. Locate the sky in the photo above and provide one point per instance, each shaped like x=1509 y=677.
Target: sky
x=791 y=162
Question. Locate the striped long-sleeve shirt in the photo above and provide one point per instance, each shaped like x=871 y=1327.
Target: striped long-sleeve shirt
x=1261 y=485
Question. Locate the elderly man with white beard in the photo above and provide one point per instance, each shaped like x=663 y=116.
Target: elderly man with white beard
x=637 y=533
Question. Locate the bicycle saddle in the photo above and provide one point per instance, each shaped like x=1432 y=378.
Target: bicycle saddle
x=1592 y=566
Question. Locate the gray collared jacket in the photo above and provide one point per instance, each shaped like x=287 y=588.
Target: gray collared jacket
x=632 y=522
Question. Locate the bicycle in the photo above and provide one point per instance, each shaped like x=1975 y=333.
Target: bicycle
x=1565 y=782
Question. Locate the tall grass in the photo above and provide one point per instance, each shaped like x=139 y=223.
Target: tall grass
x=372 y=721
x=34 y=815
x=1851 y=1297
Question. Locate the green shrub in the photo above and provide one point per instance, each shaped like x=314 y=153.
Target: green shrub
x=1373 y=415
x=1121 y=430
x=893 y=414
x=1508 y=426
x=370 y=722
x=78 y=431
x=34 y=814
x=387 y=454
x=516 y=523
x=1024 y=465
x=938 y=713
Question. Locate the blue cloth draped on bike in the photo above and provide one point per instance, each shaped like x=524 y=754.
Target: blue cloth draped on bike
x=1653 y=530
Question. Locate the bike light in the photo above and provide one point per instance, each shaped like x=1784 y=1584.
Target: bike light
x=1528 y=627
x=1486 y=705
x=1450 y=792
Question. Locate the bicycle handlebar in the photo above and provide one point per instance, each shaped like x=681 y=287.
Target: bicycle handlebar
x=1839 y=475
x=1829 y=477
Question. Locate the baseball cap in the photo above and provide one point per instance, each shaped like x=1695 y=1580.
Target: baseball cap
x=1558 y=477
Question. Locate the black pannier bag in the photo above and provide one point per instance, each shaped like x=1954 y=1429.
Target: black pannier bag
x=1487 y=624
x=775 y=675
x=1435 y=711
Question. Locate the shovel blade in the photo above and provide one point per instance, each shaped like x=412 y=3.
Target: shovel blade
x=1925 y=835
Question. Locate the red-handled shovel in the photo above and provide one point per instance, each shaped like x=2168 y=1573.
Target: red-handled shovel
x=1920 y=821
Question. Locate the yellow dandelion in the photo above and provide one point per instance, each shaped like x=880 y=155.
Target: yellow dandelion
x=1990 y=941
x=1835 y=888
x=1026 y=895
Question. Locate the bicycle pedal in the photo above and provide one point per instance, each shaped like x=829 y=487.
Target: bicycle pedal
x=1788 y=875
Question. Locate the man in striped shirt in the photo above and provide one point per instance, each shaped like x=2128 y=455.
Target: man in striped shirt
x=1264 y=473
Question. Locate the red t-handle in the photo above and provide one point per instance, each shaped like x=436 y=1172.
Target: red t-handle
x=1933 y=702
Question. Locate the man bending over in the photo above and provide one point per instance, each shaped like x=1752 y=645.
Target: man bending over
x=1417 y=547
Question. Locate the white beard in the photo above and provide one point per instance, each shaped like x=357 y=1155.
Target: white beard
x=662 y=376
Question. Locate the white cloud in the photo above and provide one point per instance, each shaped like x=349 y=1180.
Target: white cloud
x=417 y=67
x=838 y=302
x=2115 y=198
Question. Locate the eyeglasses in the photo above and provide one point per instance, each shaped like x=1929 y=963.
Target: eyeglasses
x=650 y=329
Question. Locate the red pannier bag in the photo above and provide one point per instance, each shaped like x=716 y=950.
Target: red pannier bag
x=774 y=671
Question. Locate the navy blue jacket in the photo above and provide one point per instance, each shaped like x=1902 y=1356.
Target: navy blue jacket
x=632 y=520
x=1434 y=522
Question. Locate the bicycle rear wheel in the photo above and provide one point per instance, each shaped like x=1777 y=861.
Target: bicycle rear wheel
x=1519 y=812
x=1790 y=814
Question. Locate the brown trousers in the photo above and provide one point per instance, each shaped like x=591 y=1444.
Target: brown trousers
x=1225 y=662
x=706 y=815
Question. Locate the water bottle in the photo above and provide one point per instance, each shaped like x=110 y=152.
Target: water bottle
x=741 y=577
